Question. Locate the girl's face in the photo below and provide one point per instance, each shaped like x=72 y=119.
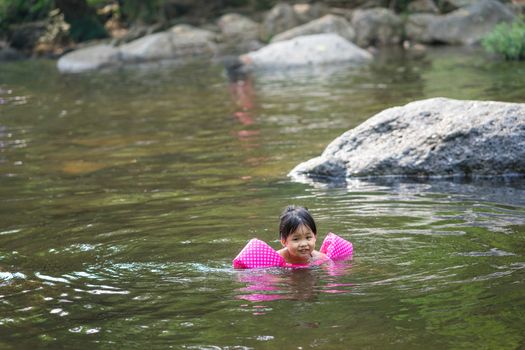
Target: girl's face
x=300 y=244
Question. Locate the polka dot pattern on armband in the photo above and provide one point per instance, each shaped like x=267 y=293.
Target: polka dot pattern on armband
x=257 y=254
x=336 y=247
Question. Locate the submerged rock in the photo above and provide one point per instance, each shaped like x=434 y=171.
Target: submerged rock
x=437 y=137
x=309 y=50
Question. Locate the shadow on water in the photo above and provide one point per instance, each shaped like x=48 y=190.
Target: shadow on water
x=504 y=190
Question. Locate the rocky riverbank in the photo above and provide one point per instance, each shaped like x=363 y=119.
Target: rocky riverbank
x=368 y=27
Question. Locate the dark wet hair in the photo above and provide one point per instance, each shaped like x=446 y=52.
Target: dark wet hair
x=292 y=217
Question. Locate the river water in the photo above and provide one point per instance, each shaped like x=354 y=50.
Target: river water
x=125 y=194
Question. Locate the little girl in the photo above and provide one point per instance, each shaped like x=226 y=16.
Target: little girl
x=298 y=235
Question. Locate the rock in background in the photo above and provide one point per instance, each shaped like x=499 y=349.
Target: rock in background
x=283 y=17
x=181 y=42
x=239 y=33
x=89 y=58
x=234 y=34
x=434 y=137
x=309 y=50
x=377 y=27
x=465 y=26
x=326 y=24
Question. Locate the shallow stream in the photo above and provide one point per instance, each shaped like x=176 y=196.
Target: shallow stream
x=125 y=194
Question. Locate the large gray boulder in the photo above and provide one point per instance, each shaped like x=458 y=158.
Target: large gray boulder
x=377 y=27
x=465 y=26
x=309 y=50
x=181 y=41
x=326 y=24
x=436 y=137
x=89 y=58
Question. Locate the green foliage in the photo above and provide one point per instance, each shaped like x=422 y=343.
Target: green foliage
x=507 y=39
x=17 y=11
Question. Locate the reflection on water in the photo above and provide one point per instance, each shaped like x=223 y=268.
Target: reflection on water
x=499 y=189
x=125 y=195
x=293 y=284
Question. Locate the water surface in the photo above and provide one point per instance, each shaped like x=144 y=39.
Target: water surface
x=125 y=194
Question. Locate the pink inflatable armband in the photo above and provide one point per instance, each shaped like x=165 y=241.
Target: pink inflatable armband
x=257 y=254
x=336 y=247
